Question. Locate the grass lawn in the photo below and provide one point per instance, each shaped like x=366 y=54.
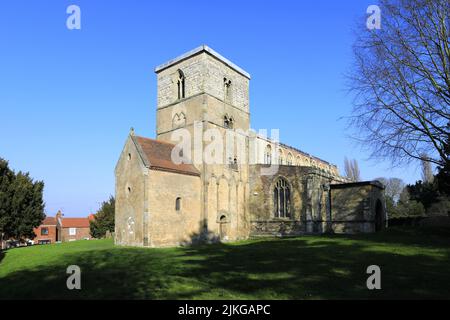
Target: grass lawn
x=414 y=263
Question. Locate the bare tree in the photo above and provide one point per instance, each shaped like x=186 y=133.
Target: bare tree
x=401 y=82
x=351 y=168
x=427 y=171
x=394 y=187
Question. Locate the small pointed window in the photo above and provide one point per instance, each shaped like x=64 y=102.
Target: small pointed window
x=282 y=199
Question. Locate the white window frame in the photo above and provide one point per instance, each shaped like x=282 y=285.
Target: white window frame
x=72 y=231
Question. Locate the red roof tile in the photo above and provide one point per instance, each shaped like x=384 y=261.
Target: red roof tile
x=49 y=221
x=75 y=222
x=159 y=156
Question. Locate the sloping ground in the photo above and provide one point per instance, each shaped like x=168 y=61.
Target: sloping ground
x=414 y=264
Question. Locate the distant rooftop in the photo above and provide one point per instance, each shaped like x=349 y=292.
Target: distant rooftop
x=198 y=50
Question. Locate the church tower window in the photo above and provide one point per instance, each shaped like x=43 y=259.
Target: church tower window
x=228 y=122
x=181 y=85
x=282 y=199
x=227 y=88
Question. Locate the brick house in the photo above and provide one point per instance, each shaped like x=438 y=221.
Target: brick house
x=49 y=231
x=76 y=228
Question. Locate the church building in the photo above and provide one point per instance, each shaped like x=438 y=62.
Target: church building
x=208 y=177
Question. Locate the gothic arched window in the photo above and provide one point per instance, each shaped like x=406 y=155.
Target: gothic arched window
x=268 y=155
x=181 y=85
x=282 y=199
x=280 y=157
x=289 y=159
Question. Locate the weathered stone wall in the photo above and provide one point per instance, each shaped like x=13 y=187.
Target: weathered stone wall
x=166 y=225
x=226 y=194
x=224 y=188
x=308 y=201
x=203 y=74
x=216 y=71
x=354 y=207
x=319 y=203
x=201 y=108
x=131 y=179
x=193 y=70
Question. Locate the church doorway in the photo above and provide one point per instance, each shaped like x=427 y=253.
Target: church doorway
x=223 y=228
x=378 y=216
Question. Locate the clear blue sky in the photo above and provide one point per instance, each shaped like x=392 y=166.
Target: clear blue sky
x=69 y=97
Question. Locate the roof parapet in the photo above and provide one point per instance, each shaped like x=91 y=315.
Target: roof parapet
x=198 y=50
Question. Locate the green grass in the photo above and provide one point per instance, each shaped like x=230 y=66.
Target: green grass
x=414 y=263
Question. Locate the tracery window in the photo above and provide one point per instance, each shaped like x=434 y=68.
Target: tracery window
x=282 y=199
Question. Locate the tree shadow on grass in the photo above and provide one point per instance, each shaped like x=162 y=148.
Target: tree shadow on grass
x=424 y=237
x=299 y=269
x=294 y=268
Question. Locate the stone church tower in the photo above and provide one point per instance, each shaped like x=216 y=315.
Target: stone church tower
x=197 y=92
x=200 y=180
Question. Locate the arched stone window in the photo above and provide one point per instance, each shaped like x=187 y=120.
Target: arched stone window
x=181 y=85
x=282 y=199
x=179 y=120
x=228 y=122
x=280 y=157
x=268 y=155
x=289 y=159
x=227 y=88
x=299 y=161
